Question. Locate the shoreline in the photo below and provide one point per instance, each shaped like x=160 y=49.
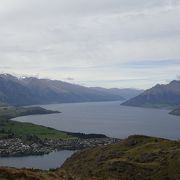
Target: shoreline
x=15 y=147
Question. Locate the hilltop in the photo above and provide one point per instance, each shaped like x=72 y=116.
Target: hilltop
x=137 y=157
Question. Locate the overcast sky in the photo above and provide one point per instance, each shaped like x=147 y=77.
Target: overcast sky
x=109 y=43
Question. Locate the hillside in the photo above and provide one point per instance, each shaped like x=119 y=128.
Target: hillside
x=29 y=174
x=10 y=128
x=127 y=93
x=30 y=91
x=137 y=157
x=160 y=96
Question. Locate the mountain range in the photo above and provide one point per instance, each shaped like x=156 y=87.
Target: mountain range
x=161 y=96
x=34 y=91
x=126 y=93
x=31 y=91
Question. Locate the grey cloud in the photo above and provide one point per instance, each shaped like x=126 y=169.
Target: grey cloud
x=178 y=77
x=70 y=79
x=78 y=37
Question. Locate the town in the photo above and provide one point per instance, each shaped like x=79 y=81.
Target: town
x=18 y=147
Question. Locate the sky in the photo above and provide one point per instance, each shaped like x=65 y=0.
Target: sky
x=107 y=43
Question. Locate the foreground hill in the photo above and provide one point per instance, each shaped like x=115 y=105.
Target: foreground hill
x=127 y=93
x=158 y=96
x=137 y=157
x=27 y=174
x=28 y=91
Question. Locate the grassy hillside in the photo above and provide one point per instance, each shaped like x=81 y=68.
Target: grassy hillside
x=9 y=128
x=137 y=157
x=25 y=174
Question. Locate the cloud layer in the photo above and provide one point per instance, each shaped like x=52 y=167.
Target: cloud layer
x=111 y=43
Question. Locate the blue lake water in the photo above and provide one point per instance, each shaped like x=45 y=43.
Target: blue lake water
x=103 y=117
x=109 y=118
x=45 y=162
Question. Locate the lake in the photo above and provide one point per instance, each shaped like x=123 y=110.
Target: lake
x=45 y=162
x=109 y=118
x=102 y=117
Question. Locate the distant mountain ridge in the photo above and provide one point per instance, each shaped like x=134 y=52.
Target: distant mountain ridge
x=127 y=93
x=31 y=91
x=167 y=95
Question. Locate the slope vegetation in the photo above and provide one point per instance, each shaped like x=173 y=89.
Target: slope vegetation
x=138 y=157
x=29 y=174
x=10 y=128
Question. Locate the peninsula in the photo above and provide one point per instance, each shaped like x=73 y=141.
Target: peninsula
x=22 y=139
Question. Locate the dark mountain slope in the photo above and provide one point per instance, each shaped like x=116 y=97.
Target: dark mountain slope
x=28 y=91
x=158 y=96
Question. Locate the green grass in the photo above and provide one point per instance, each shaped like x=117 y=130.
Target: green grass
x=10 y=128
x=26 y=129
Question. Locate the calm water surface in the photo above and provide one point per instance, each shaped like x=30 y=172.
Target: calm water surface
x=45 y=162
x=105 y=117
x=109 y=118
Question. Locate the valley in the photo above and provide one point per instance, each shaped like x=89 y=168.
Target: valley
x=94 y=138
